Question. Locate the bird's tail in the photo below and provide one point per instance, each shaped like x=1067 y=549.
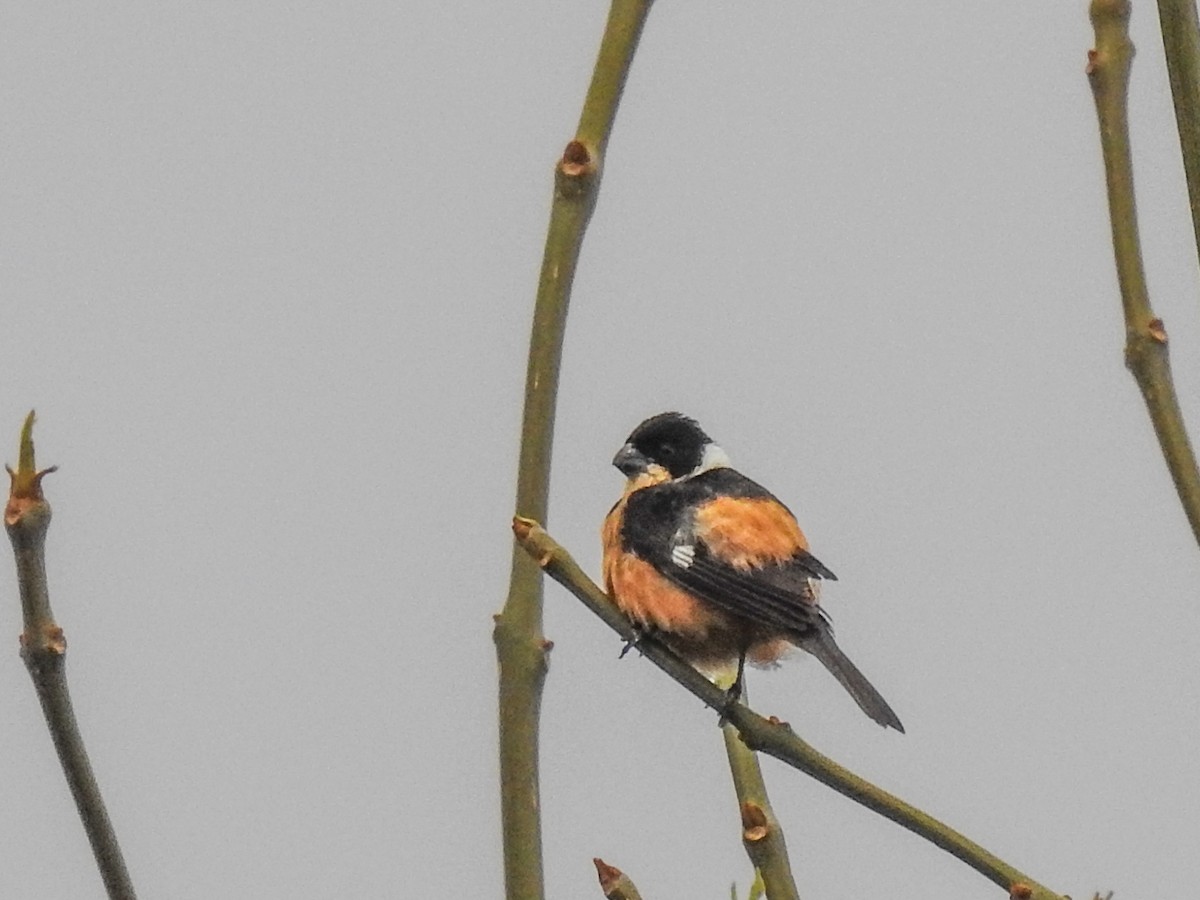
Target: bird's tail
x=823 y=647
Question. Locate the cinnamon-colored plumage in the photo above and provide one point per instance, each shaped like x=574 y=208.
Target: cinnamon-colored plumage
x=712 y=564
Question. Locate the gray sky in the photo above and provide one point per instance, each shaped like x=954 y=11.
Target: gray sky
x=267 y=276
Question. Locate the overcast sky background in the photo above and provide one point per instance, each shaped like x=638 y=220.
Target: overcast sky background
x=267 y=276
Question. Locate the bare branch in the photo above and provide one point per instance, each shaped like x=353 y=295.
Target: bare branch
x=44 y=650
x=521 y=647
x=1146 y=352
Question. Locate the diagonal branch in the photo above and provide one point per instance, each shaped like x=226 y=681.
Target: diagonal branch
x=1146 y=352
x=44 y=649
x=771 y=736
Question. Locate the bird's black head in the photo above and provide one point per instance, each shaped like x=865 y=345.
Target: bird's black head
x=670 y=440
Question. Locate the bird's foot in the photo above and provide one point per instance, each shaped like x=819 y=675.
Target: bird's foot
x=639 y=635
x=733 y=696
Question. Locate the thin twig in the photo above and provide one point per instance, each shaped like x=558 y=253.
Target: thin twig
x=1181 y=44
x=769 y=736
x=1146 y=352
x=762 y=835
x=521 y=647
x=44 y=649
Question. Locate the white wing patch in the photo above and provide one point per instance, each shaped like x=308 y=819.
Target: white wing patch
x=683 y=555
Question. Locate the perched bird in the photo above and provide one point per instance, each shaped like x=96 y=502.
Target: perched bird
x=711 y=563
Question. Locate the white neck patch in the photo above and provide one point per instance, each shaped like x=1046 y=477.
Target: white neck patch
x=713 y=457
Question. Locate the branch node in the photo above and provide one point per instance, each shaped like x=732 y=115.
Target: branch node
x=577 y=172
x=522 y=526
x=534 y=540
x=576 y=160
x=755 y=826
x=53 y=641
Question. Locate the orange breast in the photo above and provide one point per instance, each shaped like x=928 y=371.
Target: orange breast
x=652 y=601
x=639 y=591
x=610 y=533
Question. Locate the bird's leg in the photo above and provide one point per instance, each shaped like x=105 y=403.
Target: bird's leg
x=639 y=632
x=734 y=694
x=739 y=683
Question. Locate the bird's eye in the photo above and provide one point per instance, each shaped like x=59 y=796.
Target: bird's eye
x=666 y=450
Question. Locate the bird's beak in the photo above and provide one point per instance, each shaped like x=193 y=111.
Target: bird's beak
x=630 y=461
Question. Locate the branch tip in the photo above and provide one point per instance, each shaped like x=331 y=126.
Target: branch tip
x=25 y=456
x=25 y=483
x=607 y=874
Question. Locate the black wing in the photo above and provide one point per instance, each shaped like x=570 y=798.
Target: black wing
x=775 y=596
x=660 y=527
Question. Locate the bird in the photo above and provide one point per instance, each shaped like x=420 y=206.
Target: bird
x=714 y=565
